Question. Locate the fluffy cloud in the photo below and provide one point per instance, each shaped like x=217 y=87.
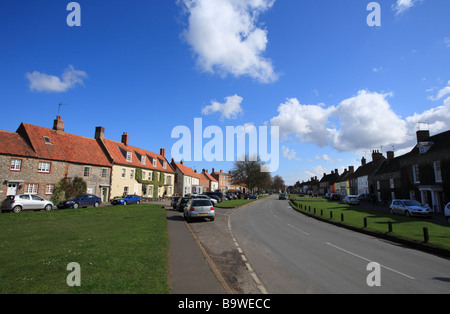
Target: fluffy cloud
x=289 y=154
x=228 y=110
x=402 y=6
x=42 y=82
x=361 y=122
x=226 y=39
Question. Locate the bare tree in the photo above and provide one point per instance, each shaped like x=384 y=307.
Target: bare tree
x=248 y=173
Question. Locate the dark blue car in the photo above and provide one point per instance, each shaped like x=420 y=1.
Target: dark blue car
x=127 y=200
x=81 y=201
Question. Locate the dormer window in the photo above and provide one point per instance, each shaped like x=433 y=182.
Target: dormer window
x=165 y=164
x=154 y=162
x=143 y=159
x=129 y=157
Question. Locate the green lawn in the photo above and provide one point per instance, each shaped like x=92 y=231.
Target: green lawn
x=121 y=249
x=237 y=203
x=403 y=227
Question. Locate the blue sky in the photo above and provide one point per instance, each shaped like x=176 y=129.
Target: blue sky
x=336 y=87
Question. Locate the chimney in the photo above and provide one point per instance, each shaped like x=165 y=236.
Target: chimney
x=58 y=124
x=181 y=161
x=99 y=133
x=162 y=152
x=422 y=135
x=390 y=155
x=363 y=161
x=336 y=171
x=376 y=155
x=212 y=170
x=125 y=139
x=351 y=169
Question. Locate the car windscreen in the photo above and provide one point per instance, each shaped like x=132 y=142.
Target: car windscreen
x=201 y=203
x=412 y=203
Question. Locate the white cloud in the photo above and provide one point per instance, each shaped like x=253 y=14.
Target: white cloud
x=42 y=82
x=362 y=122
x=443 y=92
x=226 y=38
x=228 y=110
x=324 y=157
x=447 y=41
x=403 y=5
x=289 y=154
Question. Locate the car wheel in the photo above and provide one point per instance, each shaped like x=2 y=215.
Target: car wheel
x=76 y=205
x=138 y=202
x=17 y=209
x=96 y=204
x=212 y=218
x=392 y=212
x=48 y=207
x=125 y=203
x=407 y=214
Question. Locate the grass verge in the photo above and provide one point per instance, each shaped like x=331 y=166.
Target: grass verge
x=120 y=250
x=405 y=228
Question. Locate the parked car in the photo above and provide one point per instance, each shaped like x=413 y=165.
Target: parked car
x=351 y=200
x=283 y=196
x=206 y=197
x=219 y=195
x=334 y=197
x=127 y=200
x=174 y=202
x=328 y=195
x=81 y=201
x=182 y=203
x=447 y=212
x=18 y=203
x=363 y=197
x=251 y=196
x=410 y=208
x=199 y=208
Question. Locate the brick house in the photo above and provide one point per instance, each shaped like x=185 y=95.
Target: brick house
x=35 y=158
x=208 y=182
x=135 y=170
x=328 y=182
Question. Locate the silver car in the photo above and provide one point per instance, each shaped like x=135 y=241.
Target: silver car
x=351 y=200
x=199 y=208
x=409 y=208
x=18 y=203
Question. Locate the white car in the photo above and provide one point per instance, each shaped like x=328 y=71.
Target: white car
x=351 y=200
x=206 y=197
x=199 y=208
x=447 y=212
x=410 y=208
x=18 y=203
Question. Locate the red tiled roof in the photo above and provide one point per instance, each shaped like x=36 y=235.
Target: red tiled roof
x=210 y=177
x=63 y=146
x=12 y=143
x=187 y=171
x=118 y=152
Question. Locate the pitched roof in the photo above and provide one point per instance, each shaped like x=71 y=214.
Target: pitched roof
x=187 y=171
x=118 y=152
x=210 y=177
x=56 y=145
x=369 y=168
x=12 y=143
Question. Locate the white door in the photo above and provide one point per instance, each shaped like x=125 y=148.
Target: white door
x=12 y=189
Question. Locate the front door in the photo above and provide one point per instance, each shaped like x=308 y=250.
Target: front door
x=105 y=194
x=12 y=189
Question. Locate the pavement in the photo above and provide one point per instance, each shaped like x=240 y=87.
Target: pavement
x=191 y=269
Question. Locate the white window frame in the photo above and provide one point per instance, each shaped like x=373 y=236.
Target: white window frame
x=31 y=188
x=391 y=183
x=437 y=171
x=124 y=173
x=16 y=164
x=49 y=189
x=88 y=168
x=416 y=173
x=143 y=159
x=129 y=157
x=154 y=162
x=44 y=167
x=104 y=172
x=131 y=174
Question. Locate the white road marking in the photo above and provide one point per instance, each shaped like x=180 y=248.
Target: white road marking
x=363 y=258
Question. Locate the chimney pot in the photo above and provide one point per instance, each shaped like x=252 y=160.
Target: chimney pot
x=58 y=124
x=162 y=152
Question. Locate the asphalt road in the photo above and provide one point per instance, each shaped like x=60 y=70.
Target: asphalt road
x=292 y=253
